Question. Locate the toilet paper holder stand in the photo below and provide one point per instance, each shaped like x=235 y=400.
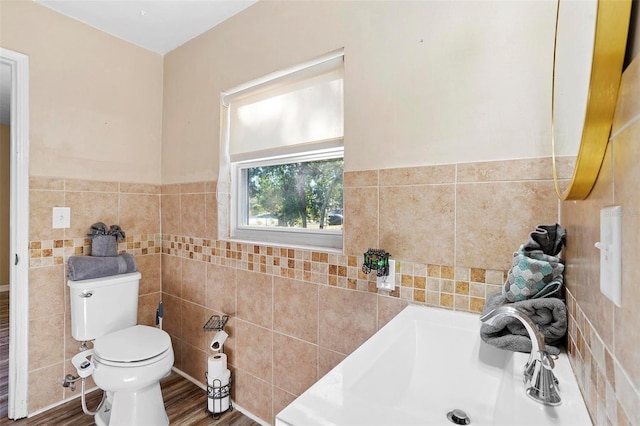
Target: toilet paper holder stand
x=216 y=323
x=216 y=391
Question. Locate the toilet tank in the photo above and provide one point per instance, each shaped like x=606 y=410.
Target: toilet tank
x=102 y=305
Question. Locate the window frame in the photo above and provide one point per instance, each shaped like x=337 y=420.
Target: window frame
x=230 y=183
x=239 y=229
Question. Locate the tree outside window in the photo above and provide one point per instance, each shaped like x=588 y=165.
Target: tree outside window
x=304 y=195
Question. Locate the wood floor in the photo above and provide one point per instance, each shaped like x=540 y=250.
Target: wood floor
x=185 y=402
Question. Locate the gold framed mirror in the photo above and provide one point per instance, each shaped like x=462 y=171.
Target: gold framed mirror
x=589 y=47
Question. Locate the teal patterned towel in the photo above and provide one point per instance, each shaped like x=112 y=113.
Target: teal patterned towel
x=536 y=271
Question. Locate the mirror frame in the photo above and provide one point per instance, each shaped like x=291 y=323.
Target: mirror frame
x=610 y=40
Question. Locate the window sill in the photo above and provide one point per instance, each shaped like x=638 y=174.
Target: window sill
x=283 y=245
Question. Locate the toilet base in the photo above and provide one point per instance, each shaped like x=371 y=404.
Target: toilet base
x=144 y=407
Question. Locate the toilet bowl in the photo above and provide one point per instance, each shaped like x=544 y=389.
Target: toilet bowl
x=128 y=365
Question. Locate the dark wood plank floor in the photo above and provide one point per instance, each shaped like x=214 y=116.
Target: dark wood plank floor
x=185 y=404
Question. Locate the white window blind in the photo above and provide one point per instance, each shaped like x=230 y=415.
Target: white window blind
x=288 y=112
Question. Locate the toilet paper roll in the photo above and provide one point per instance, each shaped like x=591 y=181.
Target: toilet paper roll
x=216 y=366
x=222 y=380
x=220 y=405
x=218 y=340
x=216 y=402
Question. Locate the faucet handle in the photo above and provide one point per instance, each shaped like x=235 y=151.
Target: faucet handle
x=547 y=360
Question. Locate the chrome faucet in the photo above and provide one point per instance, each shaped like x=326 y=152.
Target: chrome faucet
x=541 y=384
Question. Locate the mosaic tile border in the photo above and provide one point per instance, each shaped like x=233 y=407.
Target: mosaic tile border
x=56 y=252
x=457 y=288
x=446 y=286
x=607 y=391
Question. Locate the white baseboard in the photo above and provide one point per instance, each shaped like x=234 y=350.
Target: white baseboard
x=54 y=405
x=250 y=415
x=189 y=378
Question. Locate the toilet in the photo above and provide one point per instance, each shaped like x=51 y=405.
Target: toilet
x=128 y=360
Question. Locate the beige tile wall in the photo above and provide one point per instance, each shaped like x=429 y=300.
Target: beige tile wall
x=136 y=208
x=468 y=214
x=296 y=313
x=605 y=339
x=318 y=305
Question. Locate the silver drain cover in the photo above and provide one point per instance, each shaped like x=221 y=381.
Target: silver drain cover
x=458 y=417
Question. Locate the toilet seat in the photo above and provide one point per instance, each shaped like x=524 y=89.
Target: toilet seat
x=133 y=346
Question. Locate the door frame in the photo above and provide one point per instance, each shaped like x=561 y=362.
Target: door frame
x=19 y=239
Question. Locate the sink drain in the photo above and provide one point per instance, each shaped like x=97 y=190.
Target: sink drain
x=458 y=417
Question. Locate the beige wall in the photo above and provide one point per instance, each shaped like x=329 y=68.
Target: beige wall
x=95 y=123
x=605 y=339
x=491 y=95
x=417 y=95
x=95 y=100
x=419 y=89
x=5 y=200
x=434 y=96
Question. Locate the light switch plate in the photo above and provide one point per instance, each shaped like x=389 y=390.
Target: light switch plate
x=388 y=282
x=610 y=246
x=61 y=217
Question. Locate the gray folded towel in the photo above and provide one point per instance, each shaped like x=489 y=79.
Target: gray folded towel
x=104 y=241
x=87 y=267
x=548 y=238
x=104 y=246
x=549 y=314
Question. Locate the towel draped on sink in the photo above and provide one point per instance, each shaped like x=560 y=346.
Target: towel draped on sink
x=549 y=314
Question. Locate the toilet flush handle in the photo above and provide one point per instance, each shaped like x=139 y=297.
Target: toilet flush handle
x=86 y=293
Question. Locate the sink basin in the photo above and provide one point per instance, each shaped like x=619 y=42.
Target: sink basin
x=423 y=364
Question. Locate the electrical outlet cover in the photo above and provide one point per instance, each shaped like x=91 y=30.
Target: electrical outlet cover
x=388 y=282
x=61 y=217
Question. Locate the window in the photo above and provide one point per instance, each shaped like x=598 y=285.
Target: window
x=284 y=152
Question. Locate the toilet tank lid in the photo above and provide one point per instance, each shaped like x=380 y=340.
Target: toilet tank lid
x=132 y=344
x=112 y=279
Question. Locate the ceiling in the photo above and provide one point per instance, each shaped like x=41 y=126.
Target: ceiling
x=156 y=25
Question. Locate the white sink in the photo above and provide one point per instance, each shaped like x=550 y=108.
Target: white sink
x=423 y=364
